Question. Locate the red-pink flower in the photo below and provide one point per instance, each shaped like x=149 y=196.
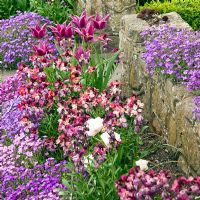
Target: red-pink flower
x=100 y=22
x=39 y=32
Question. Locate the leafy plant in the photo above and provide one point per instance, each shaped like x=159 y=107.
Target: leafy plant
x=57 y=10
x=189 y=10
x=9 y=7
x=104 y=69
x=6 y=9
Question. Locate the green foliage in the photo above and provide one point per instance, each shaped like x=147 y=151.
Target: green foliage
x=9 y=7
x=57 y=10
x=189 y=10
x=6 y=9
x=99 y=183
x=105 y=68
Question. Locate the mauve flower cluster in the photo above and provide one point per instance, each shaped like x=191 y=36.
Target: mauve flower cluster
x=10 y=114
x=10 y=117
x=175 y=53
x=40 y=182
x=9 y=87
x=140 y=185
x=20 y=152
x=16 y=39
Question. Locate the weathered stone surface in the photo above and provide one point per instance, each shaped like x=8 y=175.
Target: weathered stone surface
x=116 y=9
x=168 y=106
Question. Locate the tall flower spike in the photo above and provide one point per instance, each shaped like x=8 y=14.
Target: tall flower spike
x=100 y=22
x=39 y=32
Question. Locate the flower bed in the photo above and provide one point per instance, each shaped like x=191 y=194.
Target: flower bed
x=75 y=134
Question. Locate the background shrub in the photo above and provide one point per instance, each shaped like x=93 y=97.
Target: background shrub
x=57 y=10
x=9 y=7
x=189 y=10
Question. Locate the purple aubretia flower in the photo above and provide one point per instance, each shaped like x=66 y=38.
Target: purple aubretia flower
x=175 y=53
x=16 y=37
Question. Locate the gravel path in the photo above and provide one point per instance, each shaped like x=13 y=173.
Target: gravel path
x=5 y=73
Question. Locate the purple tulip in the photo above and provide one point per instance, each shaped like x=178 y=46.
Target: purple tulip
x=69 y=32
x=61 y=30
x=41 y=49
x=86 y=33
x=82 y=55
x=39 y=32
x=100 y=22
x=82 y=21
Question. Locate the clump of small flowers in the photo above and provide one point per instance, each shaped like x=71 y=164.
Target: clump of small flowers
x=40 y=182
x=16 y=38
x=9 y=87
x=175 y=54
x=138 y=184
x=10 y=118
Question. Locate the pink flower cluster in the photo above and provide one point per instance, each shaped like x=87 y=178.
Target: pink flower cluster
x=140 y=185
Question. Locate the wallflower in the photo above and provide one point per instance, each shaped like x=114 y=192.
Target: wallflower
x=143 y=164
x=95 y=126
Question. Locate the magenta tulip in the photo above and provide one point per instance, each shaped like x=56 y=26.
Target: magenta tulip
x=87 y=33
x=82 y=21
x=39 y=32
x=99 y=22
x=41 y=49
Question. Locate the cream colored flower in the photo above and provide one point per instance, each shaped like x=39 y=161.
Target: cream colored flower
x=95 y=126
x=106 y=138
x=117 y=137
x=143 y=164
x=88 y=160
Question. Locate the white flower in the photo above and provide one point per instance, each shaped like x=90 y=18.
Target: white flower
x=143 y=164
x=117 y=137
x=106 y=138
x=88 y=160
x=95 y=126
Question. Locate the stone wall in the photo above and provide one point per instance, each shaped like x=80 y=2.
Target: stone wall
x=116 y=9
x=168 y=106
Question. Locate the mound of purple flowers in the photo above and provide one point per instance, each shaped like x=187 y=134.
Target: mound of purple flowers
x=40 y=182
x=175 y=53
x=21 y=177
x=16 y=38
